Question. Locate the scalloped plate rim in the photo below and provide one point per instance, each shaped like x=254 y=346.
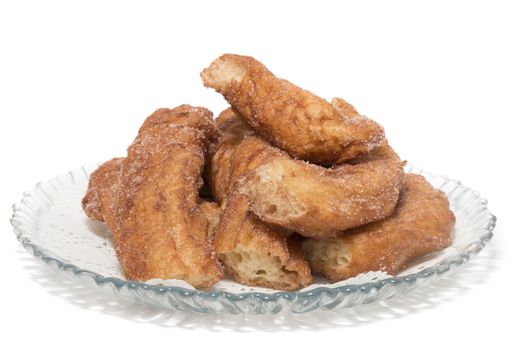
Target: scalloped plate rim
x=447 y=265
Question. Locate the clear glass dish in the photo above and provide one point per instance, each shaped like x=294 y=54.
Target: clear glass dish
x=50 y=224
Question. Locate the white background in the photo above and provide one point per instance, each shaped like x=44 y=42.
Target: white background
x=446 y=79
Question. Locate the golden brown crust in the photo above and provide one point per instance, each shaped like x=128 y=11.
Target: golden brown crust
x=256 y=254
x=103 y=183
x=306 y=198
x=213 y=213
x=281 y=161
x=305 y=125
x=185 y=116
x=233 y=131
x=252 y=251
x=160 y=231
x=319 y=202
x=101 y=189
x=422 y=223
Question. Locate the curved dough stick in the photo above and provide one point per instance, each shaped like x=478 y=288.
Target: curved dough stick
x=319 y=202
x=160 y=227
x=422 y=223
x=301 y=123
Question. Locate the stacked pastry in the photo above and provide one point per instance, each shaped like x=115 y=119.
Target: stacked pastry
x=280 y=185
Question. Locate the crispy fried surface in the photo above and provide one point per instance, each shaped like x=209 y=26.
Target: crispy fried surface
x=103 y=183
x=256 y=254
x=304 y=125
x=101 y=189
x=213 y=213
x=283 y=164
x=159 y=229
x=252 y=251
x=233 y=131
x=422 y=223
x=319 y=202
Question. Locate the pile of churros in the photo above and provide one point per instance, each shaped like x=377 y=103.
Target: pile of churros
x=282 y=185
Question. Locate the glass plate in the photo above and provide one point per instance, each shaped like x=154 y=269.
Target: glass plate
x=50 y=224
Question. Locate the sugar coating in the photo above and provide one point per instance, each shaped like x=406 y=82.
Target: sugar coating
x=281 y=161
x=322 y=202
x=160 y=227
x=303 y=124
x=253 y=252
x=421 y=223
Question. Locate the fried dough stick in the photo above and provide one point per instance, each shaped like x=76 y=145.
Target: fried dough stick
x=321 y=202
x=253 y=252
x=301 y=123
x=159 y=227
x=422 y=223
x=103 y=183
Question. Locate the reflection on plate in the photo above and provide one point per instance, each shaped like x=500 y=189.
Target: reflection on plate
x=49 y=223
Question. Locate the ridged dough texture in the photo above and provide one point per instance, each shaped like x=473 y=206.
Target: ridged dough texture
x=422 y=223
x=301 y=123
